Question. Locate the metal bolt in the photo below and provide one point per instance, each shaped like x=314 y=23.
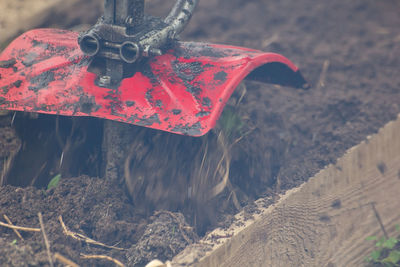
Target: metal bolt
x=129 y=21
x=155 y=52
x=104 y=81
x=149 y=51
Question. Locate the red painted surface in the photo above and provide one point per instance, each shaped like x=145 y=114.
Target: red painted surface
x=182 y=91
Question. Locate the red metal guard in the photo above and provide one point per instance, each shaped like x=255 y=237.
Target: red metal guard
x=182 y=91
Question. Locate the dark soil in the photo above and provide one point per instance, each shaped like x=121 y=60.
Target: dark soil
x=349 y=51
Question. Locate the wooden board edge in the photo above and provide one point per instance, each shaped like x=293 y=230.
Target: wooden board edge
x=323 y=222
x=52 y=12
x=27 y=23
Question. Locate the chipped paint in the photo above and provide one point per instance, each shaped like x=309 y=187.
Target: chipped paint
x=206 y=102
x=8 y=63
x=220 y=76
x=182 y=91
x=192 y=130
x=41 y=81
x=176 y=111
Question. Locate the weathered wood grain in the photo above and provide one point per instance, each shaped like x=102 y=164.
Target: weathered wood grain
x=20 y=16
x=324 y=222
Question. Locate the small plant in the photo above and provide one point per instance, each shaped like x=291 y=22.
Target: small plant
x=387 y=250
x=54 y=182
x=231 y=123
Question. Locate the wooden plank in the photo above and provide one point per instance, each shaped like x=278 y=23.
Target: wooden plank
x=324 y=222
x=20 y=16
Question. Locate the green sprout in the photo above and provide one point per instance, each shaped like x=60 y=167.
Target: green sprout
x=231 y=123
x=387 y=250
x=54 y=182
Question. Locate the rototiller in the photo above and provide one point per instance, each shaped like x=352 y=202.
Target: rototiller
x=130 y=67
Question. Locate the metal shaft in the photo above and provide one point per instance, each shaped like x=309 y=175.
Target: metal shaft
x=123 y=12
x=180 y=14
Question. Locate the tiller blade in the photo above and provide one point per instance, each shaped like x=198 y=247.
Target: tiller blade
x=183 y=90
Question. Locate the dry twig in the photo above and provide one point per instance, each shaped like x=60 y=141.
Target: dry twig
x=83 y=238
x=103 y=257
x=20 y=228
x=224 y=172
x=64 y=260
x=15 y=230
x=46 y=241
x=7 y=166
x=322 y=77
x=269 y=41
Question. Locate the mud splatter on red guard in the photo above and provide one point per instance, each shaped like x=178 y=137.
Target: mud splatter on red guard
x=179 y=87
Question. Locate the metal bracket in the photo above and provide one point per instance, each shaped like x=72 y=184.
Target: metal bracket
x=125 y=35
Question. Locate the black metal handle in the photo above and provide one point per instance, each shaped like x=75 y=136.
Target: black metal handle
x=180 y=14
x=125 y=35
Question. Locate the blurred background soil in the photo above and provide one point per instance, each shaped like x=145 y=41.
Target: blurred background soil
x=269 y=138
